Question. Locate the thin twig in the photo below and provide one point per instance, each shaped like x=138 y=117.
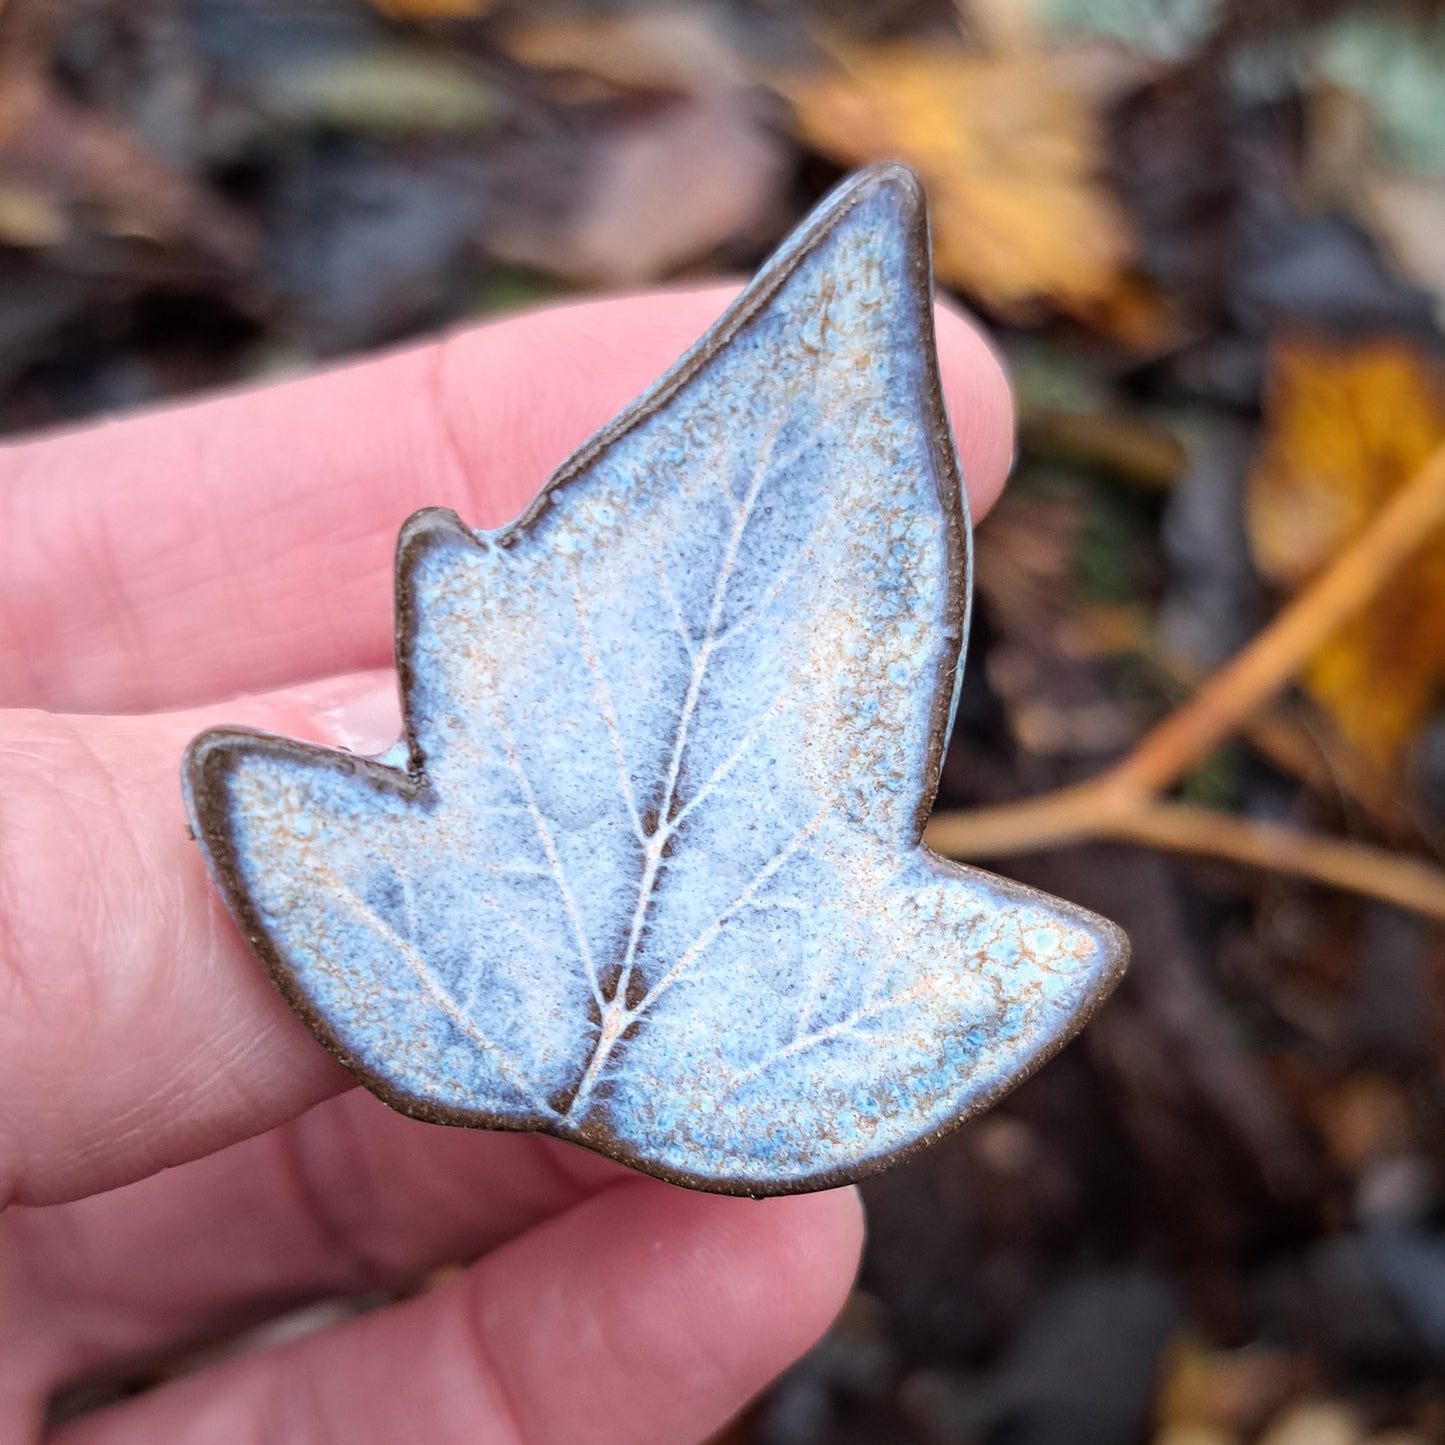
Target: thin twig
x=1278 y=848
x=1269 y=662
x=1305 y=745
x=1124 y=802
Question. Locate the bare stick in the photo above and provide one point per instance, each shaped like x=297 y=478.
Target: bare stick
x=1124 y=803
x=1345 y=588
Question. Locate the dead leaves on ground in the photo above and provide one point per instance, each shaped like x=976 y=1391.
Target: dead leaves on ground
x=692 y=161
x=432 y=9
x=1347 y=426
x=1012 y=158
x=67 y=167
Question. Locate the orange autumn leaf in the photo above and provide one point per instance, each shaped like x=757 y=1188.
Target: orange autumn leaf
x=432 y=9
x=1011 y=158
x=1347 y=426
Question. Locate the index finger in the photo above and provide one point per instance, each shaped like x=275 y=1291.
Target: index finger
x=246 y=543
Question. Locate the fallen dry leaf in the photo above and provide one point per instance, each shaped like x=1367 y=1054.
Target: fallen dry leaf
x=61 y=161
x=432 y=9
x=649 y=49
x=1347 y=426
x=1010 y=155
x=29 y=217
x=389 y=89
x=698 y=164
x=1407 y=212
x=1317 y=1422
x=1375 y=135
x=665 y=188
x=1235 y=1392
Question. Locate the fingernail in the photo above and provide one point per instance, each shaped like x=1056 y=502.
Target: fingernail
x=361 y=714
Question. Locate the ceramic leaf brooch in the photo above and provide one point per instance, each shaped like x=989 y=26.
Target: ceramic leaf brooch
x=645 y=871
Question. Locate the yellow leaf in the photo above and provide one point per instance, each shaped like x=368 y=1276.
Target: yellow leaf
x=28 y=216
x=1010 y=156
x=433 y=9
x=1347 y=426
x=644 y=49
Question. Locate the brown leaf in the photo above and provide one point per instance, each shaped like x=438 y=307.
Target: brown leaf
x=1232 y=1391
x=78 y=162
x=433 y=9
x=1010 y=153
x=664 y=188
x=1348 y=425
x=29 y=217
x=1316 y=1422
x=633 y=50
x=1407 y=212
x=684 y=153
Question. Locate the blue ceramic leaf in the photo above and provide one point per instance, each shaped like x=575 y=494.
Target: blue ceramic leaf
x=645 y=872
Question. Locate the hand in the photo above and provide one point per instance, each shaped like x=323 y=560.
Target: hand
x=178 y=1155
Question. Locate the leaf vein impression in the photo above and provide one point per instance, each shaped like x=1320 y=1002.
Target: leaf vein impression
x=602 y=696
x=617 y=1017
x=704 y=940
x=664 y=583
x=805 y=1041
x=549 y=847
x=720 y=773
x=665 y=824
x=434 y=986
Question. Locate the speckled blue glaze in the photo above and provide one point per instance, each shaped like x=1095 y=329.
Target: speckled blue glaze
x=645 y=872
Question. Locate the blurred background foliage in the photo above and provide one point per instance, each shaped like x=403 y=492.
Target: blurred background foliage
x=1209 y=237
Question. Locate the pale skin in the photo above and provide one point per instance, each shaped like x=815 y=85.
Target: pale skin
x=176 y=1151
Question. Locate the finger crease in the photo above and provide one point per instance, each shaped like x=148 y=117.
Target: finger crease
x=494 y=1379
x=340 y=1244
x=453 y=456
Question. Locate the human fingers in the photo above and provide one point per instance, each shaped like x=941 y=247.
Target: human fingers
x=645 y=1315
x=116 y=950
x=347 y=1198
x=136 y=1030
x=246 y=542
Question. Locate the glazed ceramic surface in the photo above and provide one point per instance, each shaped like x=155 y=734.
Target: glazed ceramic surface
x=645 y=871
